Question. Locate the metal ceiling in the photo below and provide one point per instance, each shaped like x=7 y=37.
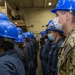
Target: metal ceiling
x=31 y=3
x=20 y=5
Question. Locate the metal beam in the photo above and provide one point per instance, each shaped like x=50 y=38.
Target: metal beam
x=20 y=2
x=45 y=3
x=11 y=0
x=33 y=3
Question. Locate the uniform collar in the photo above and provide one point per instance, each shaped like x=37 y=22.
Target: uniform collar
x=59 y=40
x=71 y=31
x=9 y=52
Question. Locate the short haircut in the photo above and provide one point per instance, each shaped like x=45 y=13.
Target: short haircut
x=71 y=12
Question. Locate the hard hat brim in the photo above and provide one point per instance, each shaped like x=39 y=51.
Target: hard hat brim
x=46 y=25
x=53 y=10
x=52 y=29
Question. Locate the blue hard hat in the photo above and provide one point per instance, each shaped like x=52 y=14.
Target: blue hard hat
x=64 y=5
x=8 y=29
x=3 y=16
x=47 y=24
x=52 y=27
x=32 y=35
x=20 y=39
x=26 y=35
x=50 y=23
x=43 y=33
x=20 y=31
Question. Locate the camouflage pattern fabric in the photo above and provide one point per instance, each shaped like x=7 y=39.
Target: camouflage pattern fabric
x=66 y=56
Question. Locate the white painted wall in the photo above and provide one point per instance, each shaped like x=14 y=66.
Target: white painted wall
x=38 y=17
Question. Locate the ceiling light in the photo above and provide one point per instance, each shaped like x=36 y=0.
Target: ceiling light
x=16 y=23
x=49 y=3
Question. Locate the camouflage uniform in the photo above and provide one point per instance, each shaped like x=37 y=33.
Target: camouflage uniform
x=66 y=56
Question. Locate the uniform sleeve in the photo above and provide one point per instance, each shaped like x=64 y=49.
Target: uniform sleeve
x=7 y=69
x=45 y=52
x=67 y=58
x=55 y=56
x=71 y=62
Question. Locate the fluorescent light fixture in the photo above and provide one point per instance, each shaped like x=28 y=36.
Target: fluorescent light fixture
x=49 y=3
x=15 y=22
